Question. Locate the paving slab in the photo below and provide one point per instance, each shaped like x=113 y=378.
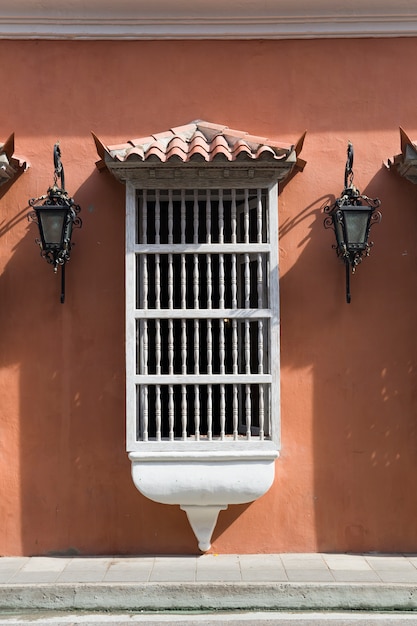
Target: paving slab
x=284 y=582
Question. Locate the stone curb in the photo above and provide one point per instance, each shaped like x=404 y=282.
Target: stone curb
x=210 y=596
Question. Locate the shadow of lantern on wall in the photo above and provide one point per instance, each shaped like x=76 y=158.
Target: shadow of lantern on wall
x=351 y=217
x=56 y=214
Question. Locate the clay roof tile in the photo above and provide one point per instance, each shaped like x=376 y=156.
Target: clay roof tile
x=198 y=140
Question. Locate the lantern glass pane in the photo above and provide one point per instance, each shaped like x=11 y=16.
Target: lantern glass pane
x=356 y=226
x=52 y=223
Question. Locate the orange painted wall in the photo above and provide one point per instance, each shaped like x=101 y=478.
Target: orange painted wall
x=346 y=479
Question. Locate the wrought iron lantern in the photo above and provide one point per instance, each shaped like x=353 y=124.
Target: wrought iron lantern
x=351 y=217
x=56 y=214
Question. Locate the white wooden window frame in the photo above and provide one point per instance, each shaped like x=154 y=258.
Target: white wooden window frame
x=253 y=443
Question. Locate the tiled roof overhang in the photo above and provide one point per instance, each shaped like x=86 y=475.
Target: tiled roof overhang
x=209 y=19
x=405 y=163
x=10 y=166
x=209 y=151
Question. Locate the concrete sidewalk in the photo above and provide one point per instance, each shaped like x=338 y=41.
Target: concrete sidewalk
x=272 y=582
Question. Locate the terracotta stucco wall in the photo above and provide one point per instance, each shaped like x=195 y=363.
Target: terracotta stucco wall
x=347 y=473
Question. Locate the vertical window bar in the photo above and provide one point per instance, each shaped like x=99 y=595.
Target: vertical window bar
x=235 y=353
x=196 y=279
x=209 y=282
x=222 y=351
x=248 y=411
x=208 y=216
x=158 y=352
x=222 y=411
x=183 y=279
x=233 y=280
x=170 y=347
x=157 y=218
x=247 y=282
x=235 y=412
x=247 y=347
x=158 y=412
x=209 y=412
x=259 y=216
x=145 y=347
x=170 y=281
x=183 y=347
x=260 y=347
x=145 y=281
x=157 y=281
x=196 y=346
x=222 y=355
x=145 y=412
x=144 y=389
x=221 y=217
x=209 y=348
x=171 y=414
x=260 y=278
x=170 y=217
x=183 y=282
x=197 y=411
x=209 y=339
x=183 y=216
x=246 y=217
x=195 y=217
x=184 y=411
x=221 y=281
x=261 y=412
x=145 y=217
x=233 y=216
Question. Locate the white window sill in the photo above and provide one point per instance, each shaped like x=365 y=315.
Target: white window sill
x=204 y=482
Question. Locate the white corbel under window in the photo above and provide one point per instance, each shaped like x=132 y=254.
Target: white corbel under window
x=202 y=326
